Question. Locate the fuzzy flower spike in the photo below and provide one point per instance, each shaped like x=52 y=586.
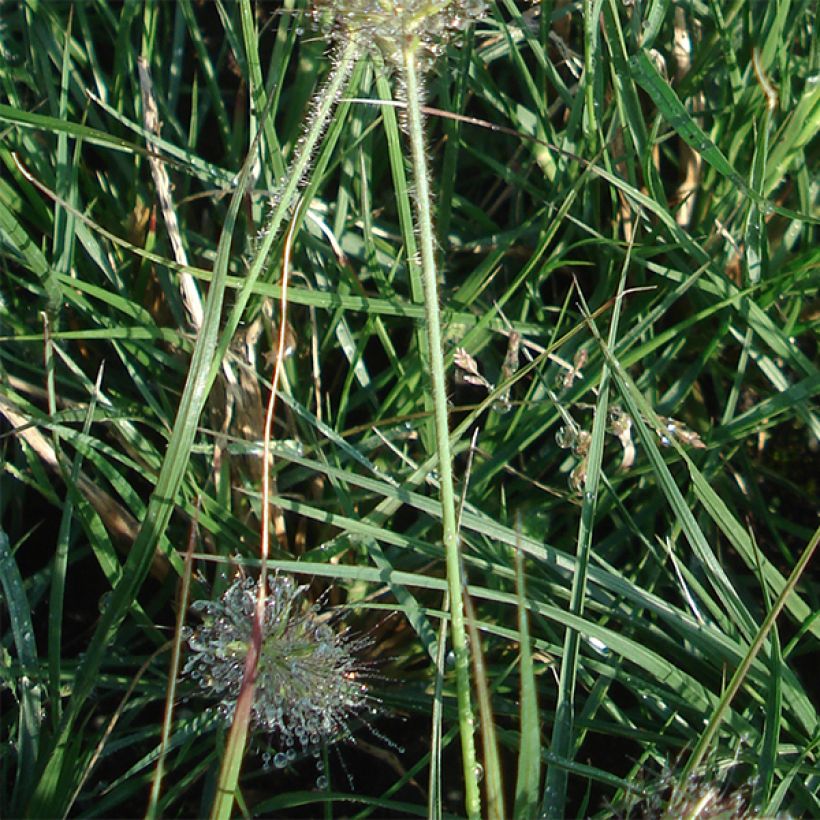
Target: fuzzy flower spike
x=308 y=684
x=391 y=26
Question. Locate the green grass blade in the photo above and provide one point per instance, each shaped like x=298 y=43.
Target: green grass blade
x=555 y=788
x=29 y=693
x=528 y=780
x=675 y=113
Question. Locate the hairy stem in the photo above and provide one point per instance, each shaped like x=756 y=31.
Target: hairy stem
x=424 y=227
x=322 y=109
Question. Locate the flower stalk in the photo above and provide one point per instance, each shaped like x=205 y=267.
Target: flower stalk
x=424 y=228
x=409 y=36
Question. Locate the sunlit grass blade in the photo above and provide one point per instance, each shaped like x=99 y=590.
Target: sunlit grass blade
x=528 y=779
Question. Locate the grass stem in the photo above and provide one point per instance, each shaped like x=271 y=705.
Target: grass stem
x=424 y=226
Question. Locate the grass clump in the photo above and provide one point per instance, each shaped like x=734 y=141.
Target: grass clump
x=550 y=399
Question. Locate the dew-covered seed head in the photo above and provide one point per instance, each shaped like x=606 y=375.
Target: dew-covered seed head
x=308 y=681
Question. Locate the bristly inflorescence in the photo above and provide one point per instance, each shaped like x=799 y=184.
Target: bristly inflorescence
x=701 y=797
x=391 y=26
x=308 y=682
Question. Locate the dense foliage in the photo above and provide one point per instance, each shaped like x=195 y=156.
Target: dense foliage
x=624 y=200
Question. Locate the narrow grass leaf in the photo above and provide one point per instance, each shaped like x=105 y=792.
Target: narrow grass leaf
x=675 y=113
x=29 y=693
x=562 y=743
x=528 y=780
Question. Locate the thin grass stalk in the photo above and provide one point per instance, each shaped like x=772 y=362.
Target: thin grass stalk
x=493 y=786
x=328 y=96
x=424 y=226
x=237 y=738
x=739 y=676
x=58 y=573
x=769 y=747
x=434 y=790
x=173 y=674
x=60 y=565
x=555 y=789
x=529 y=749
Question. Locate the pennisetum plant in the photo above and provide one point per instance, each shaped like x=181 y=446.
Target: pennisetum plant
x=409 y=34
x=675 y=602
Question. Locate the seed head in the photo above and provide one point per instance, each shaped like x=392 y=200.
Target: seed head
x=704 y=797
x=391 y=26
x=308 y=683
